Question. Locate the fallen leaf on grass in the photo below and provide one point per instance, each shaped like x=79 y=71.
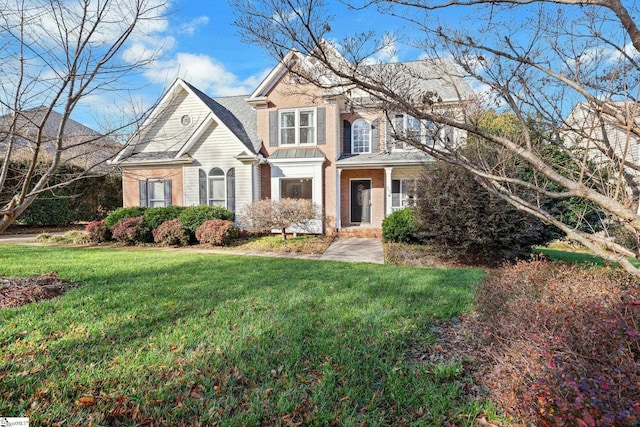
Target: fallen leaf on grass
x=86 y=401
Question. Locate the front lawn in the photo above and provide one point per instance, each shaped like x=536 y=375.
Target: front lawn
x=175 y=338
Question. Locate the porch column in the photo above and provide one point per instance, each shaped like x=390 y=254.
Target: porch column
x=387 y=190
x=338 y=200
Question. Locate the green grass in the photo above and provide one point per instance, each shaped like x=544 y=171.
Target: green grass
x=578 y=257
x=185 y=339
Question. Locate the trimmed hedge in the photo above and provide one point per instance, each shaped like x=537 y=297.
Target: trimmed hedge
x=98 y=231
x=132 y=212
x=171 y=233
x=194 y=216
x=154 y=217
x=217 y=232
x=131 y=231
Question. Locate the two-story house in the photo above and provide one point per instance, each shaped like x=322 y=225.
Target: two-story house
x=288 y=139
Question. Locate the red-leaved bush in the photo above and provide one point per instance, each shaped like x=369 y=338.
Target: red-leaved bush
x=217 y=232
x=171 y=233
x=564 y=343
x=98 y=231
x=130 y=231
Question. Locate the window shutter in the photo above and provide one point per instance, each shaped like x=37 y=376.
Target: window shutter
x=143 y=192
x=202 y=186
x=273 y=128
x=346 y=137
x=375 y=136
x=231 y=190
x=321 y=122
x=167 y=192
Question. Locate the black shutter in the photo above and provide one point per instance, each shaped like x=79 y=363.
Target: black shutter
x=321 y=122
x=167 y=192
x=202 y=186
x=346 y=137
x=143 y=193
x=375 y=136
x=273 y=128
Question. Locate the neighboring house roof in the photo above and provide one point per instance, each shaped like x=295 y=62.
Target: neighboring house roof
x=232 y=112
x=82 y=146
x=402 y=158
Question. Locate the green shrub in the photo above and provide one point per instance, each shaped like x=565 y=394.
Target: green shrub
x=98 y=231
x=114 y=217
x=171 y=233
x=193 y=217
x=131 y=231
x=48 y=209
x=156 y=216
x=400 y=226
x=465 y=222
x=217 y=232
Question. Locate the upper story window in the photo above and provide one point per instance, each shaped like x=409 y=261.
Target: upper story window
x=361 y=136
x=298 y=127
x=423 y=132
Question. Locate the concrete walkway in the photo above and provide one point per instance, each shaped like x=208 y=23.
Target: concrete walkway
x=349 y=249
x=354 y=249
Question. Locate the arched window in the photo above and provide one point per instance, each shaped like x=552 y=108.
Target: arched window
x=361 y=136
x=216 y=195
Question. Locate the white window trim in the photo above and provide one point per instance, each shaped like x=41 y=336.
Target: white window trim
x=353 y=139
x=297 y=126
x=310 y=178
x=424 y=139
x=150 y=201
x=404 y=201
x=222 y=178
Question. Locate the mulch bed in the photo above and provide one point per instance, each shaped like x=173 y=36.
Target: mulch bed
x=15 y=292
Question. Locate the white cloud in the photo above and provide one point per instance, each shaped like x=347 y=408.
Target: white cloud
x=386 y=53
x=189 y=28
x=204 y=72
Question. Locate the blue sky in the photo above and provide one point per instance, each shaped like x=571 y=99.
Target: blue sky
x=200 y=44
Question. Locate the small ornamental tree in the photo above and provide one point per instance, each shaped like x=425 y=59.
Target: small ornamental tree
x=267 y=215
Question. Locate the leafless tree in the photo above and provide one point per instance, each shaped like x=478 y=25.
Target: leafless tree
x=266 y=215
x=571 y=67
x=55 y=54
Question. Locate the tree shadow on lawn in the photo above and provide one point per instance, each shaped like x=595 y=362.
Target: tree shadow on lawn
x=209 y=338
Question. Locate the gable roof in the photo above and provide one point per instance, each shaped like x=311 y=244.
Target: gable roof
x=232 y=113
x=82 y=146
x=440 y=77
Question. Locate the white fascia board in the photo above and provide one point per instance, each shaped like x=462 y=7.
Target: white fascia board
x=272 y=78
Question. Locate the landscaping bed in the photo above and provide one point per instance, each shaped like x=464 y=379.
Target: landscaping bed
x=15 y=292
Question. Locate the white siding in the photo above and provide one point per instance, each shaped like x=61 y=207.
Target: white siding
x=164 y=132
x=217 y=148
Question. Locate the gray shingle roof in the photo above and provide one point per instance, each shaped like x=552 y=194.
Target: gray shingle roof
x=236 y=114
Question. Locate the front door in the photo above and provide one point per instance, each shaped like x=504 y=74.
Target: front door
x=360 y=200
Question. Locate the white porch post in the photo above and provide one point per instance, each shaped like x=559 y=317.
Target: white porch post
x=338 y=199
x=387 y=190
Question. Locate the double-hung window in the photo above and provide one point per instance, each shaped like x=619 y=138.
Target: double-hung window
x=402 y=193
x=298 y=127
x=155 y=193
x=216 y=188
x=409 y=128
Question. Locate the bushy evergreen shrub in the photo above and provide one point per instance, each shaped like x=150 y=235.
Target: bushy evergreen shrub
x=171 y=233
x=217 y=232
x=131 y=212
x=464 y=221
x=98 y=231
x=156 y=216
x=400 y=226
x=131 y=231
x=193 y=217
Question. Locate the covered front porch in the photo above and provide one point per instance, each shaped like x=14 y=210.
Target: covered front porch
x=368 y=195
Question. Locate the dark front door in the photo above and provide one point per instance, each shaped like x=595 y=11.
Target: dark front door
x=361 y=200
